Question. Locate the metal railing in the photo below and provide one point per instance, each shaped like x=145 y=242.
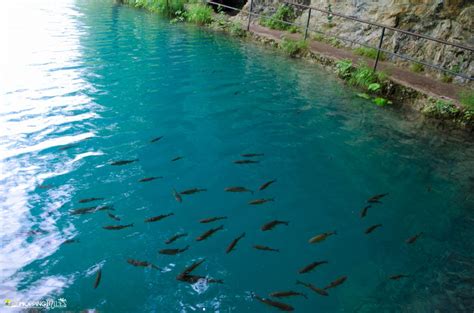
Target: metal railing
x=378 y=48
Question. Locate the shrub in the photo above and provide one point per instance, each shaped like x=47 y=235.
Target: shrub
x=293 y=29
x=198 y=13
x=467 y=99
x=283 y=14
x=441 y=108
x=363 y=76
x=344 y=68
x=417 y=67
x=293 y=47
x=169 y=7
x=369 y=52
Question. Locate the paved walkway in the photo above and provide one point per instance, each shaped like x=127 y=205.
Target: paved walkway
x=424 y=84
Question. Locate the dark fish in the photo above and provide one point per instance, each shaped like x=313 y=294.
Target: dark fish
x=142 y=263
x=117 y=227
x=372 y=228
x=191 y=191
x=397 y=277
x=272 y=224
x=83 y=210
x=173 y=251
x=68 y=241
x=156 y=139
x=177 y=158
x=337 y=282
x=275 y=304
x=265 y=185
x=265 y=248
x=308 y=268
x=177 y=196
x=175 y=237
x=209 y=233
x=251 y=155
x=284 y=294
x=90 y=200
x=115 y=217
x=320 y=291
x=192 y=279
x=234 y=243
x=147 y=179
x=192 y=267
x=212 y=219
x=105 y=208
x=414 y=238
x=237 y=189
x=376 y=198
x=123 y=162
x=45 y=186
x=246 y=161
x=363 y=213
x=97 y=278
x=260 y=201
x=67 y=147
x=321 y=237
x=158 y=218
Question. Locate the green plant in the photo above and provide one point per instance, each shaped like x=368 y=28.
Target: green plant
x=363 y=76
x=381 y=101
x=369 y=52
x=417 y=67
x=363 y=95
x=293 y=47
x=344 y=68
x=374 y=87
x=467 y=99
x=198 y=13
x=441 y=108
x=236 y=29
x=293 y=29
x=280 y=19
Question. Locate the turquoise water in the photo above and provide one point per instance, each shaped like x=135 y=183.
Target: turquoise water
x=87 y=83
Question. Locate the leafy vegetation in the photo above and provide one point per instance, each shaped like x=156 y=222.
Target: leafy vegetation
x=417 y=67
x=370 y=53
x=199 y=13
x=280 y=19
x=344 y=68
x=381 y=101
x=293 y=47
x=467 y=99
x=441 y=108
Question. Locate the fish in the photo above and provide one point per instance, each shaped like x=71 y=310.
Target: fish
x=265 y=185
x=272 y=224
x=279 y=305
x=176 y=158
x=308 y=268
x=372 y=228
x=363 y=213
x=208 y=233
x=90 y=200
x=284 y=294
x=192 y=267
x=265 y=248
x=177 y=196
x=260 y=201
x=45 y=186
x=67 y=147
x=83 y=210
x=156 y=139
x=237 y=189
x=212 y=219
x=147 y=179
x=173 y=251
x=68 y=241
x=123 y=162
x=251 y=155
x=191 y=191
x=97 y=278
x=321 y=237
x=192 y=279
x=414 y=238
x=319 y=291
x=245 y=161
x=398 y=276
x=117 y=227
x=115 y=217
x=376 y=198
x=234 y=243
x=336 y=283
x=175 y=237
x=142 y=264
x=158 y=218
x=105 y=208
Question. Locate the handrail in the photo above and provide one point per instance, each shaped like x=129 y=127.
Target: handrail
x=379 y=48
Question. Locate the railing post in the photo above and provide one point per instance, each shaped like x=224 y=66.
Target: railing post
x=250 y=15
x=307 y=25
x=378 y=49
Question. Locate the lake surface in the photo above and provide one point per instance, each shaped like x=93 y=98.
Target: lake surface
x=87 y=83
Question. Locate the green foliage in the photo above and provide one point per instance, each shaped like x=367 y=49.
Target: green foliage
x=369 y=52
x=467 y=99
x=236 y=29
x=283 y=14
x=169 y=7
x=417 y=67
x=344 y=68
x=363 y=96
x=199 y=13
x=374 y=87
x=179 y=17
x=363 y=76
x=293 y=47
x=441 y=108
x=381 y=101
x=293 y=29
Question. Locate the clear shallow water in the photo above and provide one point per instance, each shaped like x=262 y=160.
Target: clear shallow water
x=86 y=83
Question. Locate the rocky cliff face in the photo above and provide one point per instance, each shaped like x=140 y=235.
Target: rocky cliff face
x=450 y=20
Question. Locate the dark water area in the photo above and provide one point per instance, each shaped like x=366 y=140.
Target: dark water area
x=88 y=83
